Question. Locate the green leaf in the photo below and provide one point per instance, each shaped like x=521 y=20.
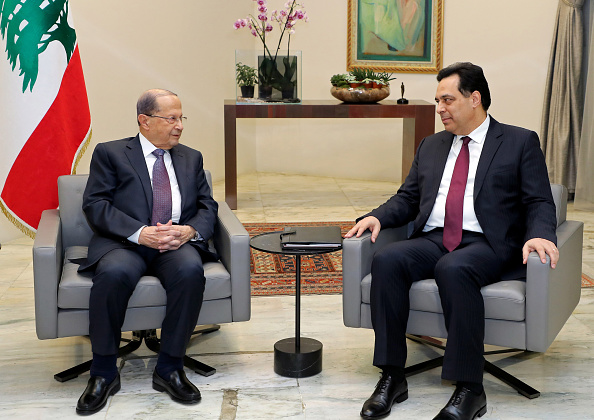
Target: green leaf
x=28 y=31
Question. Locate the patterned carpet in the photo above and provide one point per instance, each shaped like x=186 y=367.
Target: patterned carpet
x=587 y=281
x=273 y=274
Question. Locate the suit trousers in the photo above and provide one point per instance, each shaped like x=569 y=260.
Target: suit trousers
x=116 y=275
x=459 y=275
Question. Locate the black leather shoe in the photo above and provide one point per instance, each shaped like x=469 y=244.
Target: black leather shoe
x=387 y=391
x=95 y=396
x=178 y=386
x=464 y=405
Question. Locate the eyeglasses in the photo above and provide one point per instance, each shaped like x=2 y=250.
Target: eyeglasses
x=170 y=120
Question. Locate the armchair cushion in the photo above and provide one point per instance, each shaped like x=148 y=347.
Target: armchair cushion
x=504 y=300
x=75 y=288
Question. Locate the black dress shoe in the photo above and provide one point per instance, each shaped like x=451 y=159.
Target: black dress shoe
x=464 y=405
x=95 y=396
x=387 y=391
x=178 y=386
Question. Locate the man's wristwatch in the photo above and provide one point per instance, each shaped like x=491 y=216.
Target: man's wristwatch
x=196 y=237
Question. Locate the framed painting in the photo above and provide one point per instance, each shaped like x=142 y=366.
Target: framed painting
x=395 y=35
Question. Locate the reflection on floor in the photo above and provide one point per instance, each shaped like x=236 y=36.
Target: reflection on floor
x=245 y=385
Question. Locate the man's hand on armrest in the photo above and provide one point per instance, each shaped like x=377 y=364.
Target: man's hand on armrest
x=370 y=222
x=543 y=247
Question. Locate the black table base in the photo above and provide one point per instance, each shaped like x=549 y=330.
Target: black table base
x=298 y=362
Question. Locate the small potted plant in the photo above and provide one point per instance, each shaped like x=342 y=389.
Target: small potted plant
x=246 y=78
x=361 y=77
x=377 y=82
x=340 y=80
x=385 y=78
x=367 y=83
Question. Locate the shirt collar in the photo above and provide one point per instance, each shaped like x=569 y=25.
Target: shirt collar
x=147 y=147
x=479 y=134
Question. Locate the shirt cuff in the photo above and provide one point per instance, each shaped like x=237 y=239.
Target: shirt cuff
x=136 y=235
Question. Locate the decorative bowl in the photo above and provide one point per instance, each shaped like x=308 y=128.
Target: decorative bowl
x=360 y=94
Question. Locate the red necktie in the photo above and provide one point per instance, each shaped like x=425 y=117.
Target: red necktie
x=161 y=190
x=452 y=224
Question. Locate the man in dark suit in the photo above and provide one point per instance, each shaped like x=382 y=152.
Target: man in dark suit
x=149 y=205
x=480 y=201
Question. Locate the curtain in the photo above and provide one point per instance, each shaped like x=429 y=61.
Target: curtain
x=563 y=102
x=584 y=188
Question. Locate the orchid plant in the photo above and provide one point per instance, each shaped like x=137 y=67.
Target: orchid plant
x=286 y=19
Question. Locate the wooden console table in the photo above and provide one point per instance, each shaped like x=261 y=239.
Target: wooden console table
x=419 y=122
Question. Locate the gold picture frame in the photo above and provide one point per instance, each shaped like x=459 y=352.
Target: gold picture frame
x=395 y=36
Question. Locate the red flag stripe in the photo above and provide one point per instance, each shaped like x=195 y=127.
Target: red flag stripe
x=31 y=184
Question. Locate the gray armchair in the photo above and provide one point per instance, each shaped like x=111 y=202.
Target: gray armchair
x=62 y=294
x=522 y=315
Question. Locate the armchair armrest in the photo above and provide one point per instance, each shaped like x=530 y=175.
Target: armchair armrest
x=48 y=259
x=357 y=254
x=552 y=295
x=232 y=243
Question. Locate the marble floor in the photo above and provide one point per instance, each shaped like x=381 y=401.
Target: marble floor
x=245 y=385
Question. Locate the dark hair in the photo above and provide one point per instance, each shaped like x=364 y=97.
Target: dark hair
x=147 y=103
x=472 y=79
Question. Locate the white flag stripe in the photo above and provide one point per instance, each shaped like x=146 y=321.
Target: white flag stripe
x=22 y=112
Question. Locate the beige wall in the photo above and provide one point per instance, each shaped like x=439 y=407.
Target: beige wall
x=188 y=46
x=510 y=39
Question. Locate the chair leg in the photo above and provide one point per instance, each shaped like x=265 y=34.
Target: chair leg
x=429 y=364
x=128 y=348
x=205 y=329
x=193 y=364
x=422 y=367
x=520 y=386
x=152 y=342
x=199 y=367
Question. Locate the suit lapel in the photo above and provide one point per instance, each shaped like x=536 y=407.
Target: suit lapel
x=492 y=142
x=134 y=154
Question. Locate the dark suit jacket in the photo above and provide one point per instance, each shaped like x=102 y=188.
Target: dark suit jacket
x=512 y=193
x=118 y=198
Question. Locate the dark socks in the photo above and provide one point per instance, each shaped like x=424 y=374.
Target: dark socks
x=395 y=372
x=475 y=387
x=167 y=364
x=104 y=366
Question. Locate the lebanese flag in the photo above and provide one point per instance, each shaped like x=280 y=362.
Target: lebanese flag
x=45 y=122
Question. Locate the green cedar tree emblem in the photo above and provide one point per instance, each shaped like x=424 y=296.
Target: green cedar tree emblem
x=28 y=27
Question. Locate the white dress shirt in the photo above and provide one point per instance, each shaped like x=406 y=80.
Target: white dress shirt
x=150 y=159
x=475 y=147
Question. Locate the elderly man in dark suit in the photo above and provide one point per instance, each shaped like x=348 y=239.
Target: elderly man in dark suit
x=149 y=205
x=480 y=201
